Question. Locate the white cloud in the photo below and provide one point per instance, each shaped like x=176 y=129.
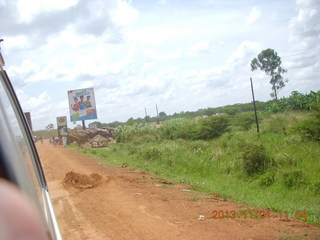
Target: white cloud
x=198 y=47
x=19 y=41
x=33 y=103
x=27 y=9
x=124 y=14
x=254 y=15
x=163 y=56
x=236 y=64
x=304 y=38
x=41 y=100
x=156 y=34
x=162 y=2
x=24 y=73
x=245 y=50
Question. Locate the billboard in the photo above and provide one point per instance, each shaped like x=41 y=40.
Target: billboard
x=82 y=104
x=28 y=117
x=62 y=126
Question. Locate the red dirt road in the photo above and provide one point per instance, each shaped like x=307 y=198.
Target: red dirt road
x=131 y=204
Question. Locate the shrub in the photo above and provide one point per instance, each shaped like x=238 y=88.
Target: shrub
x=125 y=133
x=310 y=128
x=195 y=129
x=284 y=159
x=267 y=179
x=244 y=120
x=295 y=102
x=276 y=124
x=255 y=159
x=151 y=153
x=213 y=127
x=316 y=188
x=144 y=139
x=294 y=179
x=178 y=128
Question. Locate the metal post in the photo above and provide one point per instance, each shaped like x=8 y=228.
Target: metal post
x=145 y=111
x=254 y=106
x=83 y=125
x=158 y=114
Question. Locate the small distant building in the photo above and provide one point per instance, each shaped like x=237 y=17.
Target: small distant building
x=203 y=116
x=98 y=141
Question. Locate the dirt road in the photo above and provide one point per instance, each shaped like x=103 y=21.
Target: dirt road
x=125 y=203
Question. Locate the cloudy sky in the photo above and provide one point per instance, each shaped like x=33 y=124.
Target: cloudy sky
x=180 y=54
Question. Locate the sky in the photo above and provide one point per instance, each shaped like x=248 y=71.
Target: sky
x=181 y=55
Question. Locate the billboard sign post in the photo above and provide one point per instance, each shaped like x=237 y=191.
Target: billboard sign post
x=62 y=129
x=82 y=104
x=62 y=126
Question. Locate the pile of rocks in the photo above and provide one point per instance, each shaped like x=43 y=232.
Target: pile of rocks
x=80 y=137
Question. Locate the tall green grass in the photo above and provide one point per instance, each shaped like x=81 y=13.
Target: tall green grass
x=290 y=181
x=191 y=129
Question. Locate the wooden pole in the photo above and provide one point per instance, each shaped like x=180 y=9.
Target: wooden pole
x=145 y=111
x=158 y=114
x=83 y=125
x=254 y=106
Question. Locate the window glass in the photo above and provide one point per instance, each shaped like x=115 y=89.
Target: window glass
x=20 y=144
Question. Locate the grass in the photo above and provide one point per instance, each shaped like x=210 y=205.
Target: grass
x=291 y=183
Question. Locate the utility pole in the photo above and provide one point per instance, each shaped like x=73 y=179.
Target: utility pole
x=157 y=114
x=145 y=111
x=254 y=106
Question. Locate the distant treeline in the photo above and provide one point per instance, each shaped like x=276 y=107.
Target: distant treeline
x=229 y=109
x=295 y=102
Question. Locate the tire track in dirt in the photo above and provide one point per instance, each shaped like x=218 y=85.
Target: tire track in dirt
x=132 y=204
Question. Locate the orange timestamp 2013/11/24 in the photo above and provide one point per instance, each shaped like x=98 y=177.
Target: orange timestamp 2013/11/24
x=253 y=214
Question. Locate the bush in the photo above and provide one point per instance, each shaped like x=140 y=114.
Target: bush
x=213 y=127
x=151 y=153
x=276 y=124
x=126 y=133
x=316 y=188
x=267 y=179
x=295 y=102
x=244 y=120
x=255 y=159
x=148 y=138
x=178 y=128
x=310 y=128
x=284 y=160
x=294 y=179
x=195 y=129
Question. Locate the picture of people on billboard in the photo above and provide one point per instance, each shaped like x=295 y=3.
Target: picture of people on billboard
x=82 y=104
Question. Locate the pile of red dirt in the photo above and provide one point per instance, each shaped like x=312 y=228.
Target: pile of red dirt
x=82 y=181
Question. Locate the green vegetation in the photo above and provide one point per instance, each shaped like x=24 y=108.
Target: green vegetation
x=295 y=102
x=278 y=169
x=310 y=128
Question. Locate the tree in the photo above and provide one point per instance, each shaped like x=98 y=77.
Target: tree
x=269 y=62
x=162 y=114
x=50 y=126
